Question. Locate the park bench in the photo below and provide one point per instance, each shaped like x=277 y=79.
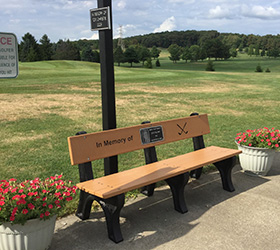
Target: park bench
x=109 y=190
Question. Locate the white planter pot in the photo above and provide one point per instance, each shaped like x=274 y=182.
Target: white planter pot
x=33 y=235
x=256 y=161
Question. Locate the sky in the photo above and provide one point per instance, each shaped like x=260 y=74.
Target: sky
x=70 y=19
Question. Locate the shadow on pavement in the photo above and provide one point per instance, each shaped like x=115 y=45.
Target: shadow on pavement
x=149 y=222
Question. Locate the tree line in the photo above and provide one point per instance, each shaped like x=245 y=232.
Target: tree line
x=186 y=45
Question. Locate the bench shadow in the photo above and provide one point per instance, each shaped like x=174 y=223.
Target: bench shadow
x=149 y=222
x=275 y=169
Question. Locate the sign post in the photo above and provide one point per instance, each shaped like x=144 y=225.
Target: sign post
x=8 y=55
x=101 y=20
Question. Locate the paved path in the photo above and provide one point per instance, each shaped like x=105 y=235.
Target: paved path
x=248 y=218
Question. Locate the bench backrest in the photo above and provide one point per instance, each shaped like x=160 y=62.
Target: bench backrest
x=99 y=145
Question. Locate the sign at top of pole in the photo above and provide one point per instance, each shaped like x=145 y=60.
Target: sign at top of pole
x=100 y=18
x=8 y=55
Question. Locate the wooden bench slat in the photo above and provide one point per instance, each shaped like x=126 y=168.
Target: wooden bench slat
x=99 y=145
x=115 y=184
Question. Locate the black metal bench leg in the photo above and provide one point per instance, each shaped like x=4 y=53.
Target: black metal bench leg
x=112 y=208
x=177 y=185
x=196 y=173
x=225 y=167
x=84 y=207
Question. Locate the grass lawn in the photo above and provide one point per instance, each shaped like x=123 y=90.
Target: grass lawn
x=52 y=100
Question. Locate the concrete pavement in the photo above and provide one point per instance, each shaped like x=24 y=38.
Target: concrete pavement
x=248 y=218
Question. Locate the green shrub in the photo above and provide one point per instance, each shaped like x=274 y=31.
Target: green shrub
x=157 y=63
x=210 y=66
x=267 y=70
x=259 y=68
x=149 y=64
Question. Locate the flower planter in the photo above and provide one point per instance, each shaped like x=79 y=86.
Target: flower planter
x=35 y=234
x=256 y=161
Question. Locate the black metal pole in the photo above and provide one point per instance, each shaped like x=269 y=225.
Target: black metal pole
x=108 y=85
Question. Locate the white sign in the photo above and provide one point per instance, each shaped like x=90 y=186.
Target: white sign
x=8 y=55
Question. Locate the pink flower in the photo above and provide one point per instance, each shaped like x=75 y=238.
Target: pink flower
x=269 y=144
x=2 y=203
x=250 y=144
x=277 y=145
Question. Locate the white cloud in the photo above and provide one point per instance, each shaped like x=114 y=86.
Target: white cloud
x=168 y=25
x=260 y=12
x=219 y=12
x=121 y=4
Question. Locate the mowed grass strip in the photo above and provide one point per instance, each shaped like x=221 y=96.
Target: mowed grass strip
x=50 y=101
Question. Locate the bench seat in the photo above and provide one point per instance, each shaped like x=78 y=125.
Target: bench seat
x=111 y=185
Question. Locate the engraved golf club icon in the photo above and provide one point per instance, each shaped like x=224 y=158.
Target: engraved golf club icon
x=182 y=129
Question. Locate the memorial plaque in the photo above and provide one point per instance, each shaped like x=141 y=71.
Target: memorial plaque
x=8 y=55
x=100 y=18
x=151 y=135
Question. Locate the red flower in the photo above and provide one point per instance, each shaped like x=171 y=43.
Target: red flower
x=42 y=216
x=13 y=179
x=14 y=211
x=277 y=145
x=69 y=198
x=24 y=211
x=31 y=206
x=57 y=194
x=47 y=213
x=12 y=218
x=50 y=206
x=2 y=203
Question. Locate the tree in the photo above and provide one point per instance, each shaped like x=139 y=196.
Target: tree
x=263 y=52
x=143 y=54
x=215 y=48
x=257 y=50
x=46 y=48
x=186 y=54
x=155 y=52
x=251 y=50
x=175 y=52
x=89 y=55
x=29 y=49
x=194 y=52
x=119 y=55
x=66 y=51
x=130 y=55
